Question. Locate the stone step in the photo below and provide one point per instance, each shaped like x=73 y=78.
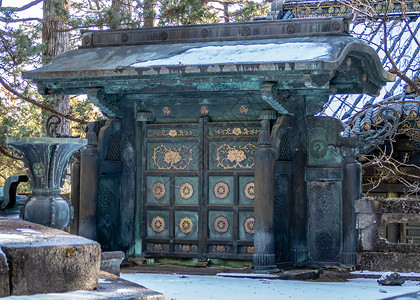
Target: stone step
x=35 y=259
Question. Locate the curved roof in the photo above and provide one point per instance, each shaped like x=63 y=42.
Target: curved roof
x=309 y=54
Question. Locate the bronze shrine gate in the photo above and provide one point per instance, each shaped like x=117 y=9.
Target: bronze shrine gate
x=156 y=197
x=199 y=189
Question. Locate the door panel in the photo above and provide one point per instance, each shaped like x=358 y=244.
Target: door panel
x=199 y=189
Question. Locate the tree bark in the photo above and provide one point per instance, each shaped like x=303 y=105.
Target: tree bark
x=149 y=14
x=57 y=41
x=122 y=11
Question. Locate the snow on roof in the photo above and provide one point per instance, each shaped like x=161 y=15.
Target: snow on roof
x=257 y=53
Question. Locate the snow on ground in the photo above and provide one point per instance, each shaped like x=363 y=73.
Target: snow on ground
x=259 y=53
x=189 y=287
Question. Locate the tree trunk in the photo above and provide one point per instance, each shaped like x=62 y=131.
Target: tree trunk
x=121 y=11
x=149 y=13
x=57 y=41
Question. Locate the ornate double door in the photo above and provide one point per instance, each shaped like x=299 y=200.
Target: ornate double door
x=198 y=189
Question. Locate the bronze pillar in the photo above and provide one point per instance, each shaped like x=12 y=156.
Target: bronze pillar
x=75 y=193
x=264 y=243
x=299 y=203
x=88 y=187
x=352 y=191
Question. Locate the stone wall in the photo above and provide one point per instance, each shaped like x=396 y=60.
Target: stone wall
x=375 y=251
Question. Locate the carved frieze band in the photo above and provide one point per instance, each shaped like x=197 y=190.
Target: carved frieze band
x=172 y=133
x=172 y=158
x=236 y=131
x=235 y=156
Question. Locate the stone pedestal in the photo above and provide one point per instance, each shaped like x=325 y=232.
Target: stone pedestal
x=45 y=260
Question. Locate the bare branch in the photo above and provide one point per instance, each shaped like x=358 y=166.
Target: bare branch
x=44 y=107
x=6 y=20
x=14 y=9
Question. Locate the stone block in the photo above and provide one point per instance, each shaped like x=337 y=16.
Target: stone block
x=111 y=261
x=4 y=275
x=47 y=260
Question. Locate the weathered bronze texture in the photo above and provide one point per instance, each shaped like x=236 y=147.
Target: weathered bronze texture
x=45 y=159
x=184 y=105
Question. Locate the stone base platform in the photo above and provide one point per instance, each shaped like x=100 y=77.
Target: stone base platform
x=35 y=259
x=110 y=287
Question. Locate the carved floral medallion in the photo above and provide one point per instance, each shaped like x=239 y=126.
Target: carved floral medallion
x=158 y=190
x=243 y=109
x=186 y=190
x=157 y=247
x=249 y=190
x=186 y=225
x=249 y=225
x=221 y=190
x=165 y=158
x=204 y=110
x=166 y=111
x=220 y=248
x=221 y=224
x=158 y=224
x=235 y=156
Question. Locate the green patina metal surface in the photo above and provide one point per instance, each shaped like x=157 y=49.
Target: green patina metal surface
x=179 y=155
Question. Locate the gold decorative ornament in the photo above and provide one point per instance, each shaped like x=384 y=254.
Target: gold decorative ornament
x=204 y=110
x=221 y=190
x=172 y=157
x=348 y=62
x=249 y=225
x=366 y=126
x=186 y=190
x=243 y=109
x=165 y=158
x=234 y=157
x=250 y=190
x=157 y=247
x=236 y=131
x=221 y=224
x=158 y=190
x=220 y=248
x=250 y=249
x=364 y=77
x=172 y=133
x=158 y=224
x=186 y=225
x=166 y=111
x=186 y=248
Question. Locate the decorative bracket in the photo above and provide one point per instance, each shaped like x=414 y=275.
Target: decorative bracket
x=108 y=103
x=280 y=100
x=371 y=128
